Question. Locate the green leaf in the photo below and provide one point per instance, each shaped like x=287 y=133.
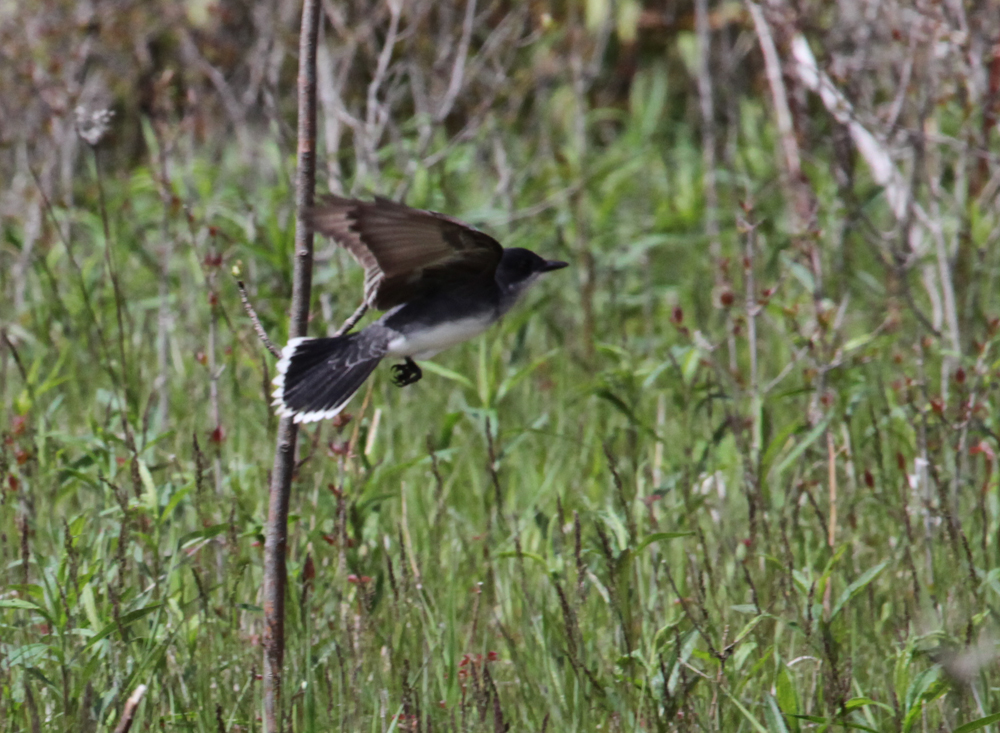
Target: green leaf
x=175 y=499
x=857 y=342
x=125 y=621
x=775 y=446
x=860 y=702
x=27 y=654
x=689 y=365
x=810 y=718
x=530 y=555
x=749 y=627
x=149 y=495
x=613 y=350
x=512 y=381
x=828 y=722
x=801 y=446
x=613 y=522
x=659 y=536
x=90 y=605
x=977 y=724
x=801 y=274
x=747 y=714
x=38 y=675
x=447 y=373
x=856 y=587
x=787 y=696
x=26 y=606
x=17 y=603
x=203 y=534
x=483 y=376
x=374 y=499
x=772 y=714
x=687 y=649
x=139 y=613
x=824 y=579
x=925 y=687
x=911 y=717
x=606 y=394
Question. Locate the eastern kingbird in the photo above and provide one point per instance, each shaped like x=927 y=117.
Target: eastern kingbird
x=441 y=281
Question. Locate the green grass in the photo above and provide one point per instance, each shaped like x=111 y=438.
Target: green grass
x=664 y=526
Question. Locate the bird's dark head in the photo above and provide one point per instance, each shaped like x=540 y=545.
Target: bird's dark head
x=519 y=267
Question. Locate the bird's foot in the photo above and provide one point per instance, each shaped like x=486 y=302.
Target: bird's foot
x=406 y=373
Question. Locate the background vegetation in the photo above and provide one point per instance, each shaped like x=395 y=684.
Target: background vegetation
x=734 y=471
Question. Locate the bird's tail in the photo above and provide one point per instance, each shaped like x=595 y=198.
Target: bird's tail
x=318 y=376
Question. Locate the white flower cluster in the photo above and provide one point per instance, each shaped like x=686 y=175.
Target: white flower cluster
x=92 y=126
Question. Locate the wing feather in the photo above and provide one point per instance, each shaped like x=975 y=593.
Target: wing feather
x=405 y=251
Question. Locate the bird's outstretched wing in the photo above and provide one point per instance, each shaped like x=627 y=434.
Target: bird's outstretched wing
x=405 y=252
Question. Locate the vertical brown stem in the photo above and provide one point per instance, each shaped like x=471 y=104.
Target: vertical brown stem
x=832 y=478
x=752 y=309
x=113 y=275
x=164 y=315
x=213 y=384
x=707 y=128
x=579 y=197
x=213 y=398
x=276 y=539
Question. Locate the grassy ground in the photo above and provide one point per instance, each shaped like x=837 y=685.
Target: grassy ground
x=745 y=490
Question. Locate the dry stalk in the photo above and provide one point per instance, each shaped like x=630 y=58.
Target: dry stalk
x=257 y=327
x=276 y=538
x=128 y=714
x=782 y=111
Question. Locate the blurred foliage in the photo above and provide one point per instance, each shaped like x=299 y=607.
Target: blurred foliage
x=735 y=470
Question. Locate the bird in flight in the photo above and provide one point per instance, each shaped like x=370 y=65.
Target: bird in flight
x=440 y=281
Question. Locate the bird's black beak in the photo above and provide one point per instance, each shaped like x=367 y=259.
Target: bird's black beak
x=551 y=265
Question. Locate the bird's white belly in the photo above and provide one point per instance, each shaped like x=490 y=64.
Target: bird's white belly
x=428 y=342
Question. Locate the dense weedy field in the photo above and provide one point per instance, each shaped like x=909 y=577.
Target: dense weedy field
x=732 y=481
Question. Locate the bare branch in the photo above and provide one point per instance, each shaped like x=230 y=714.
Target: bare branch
x=884 y=171
x=376 y=113
x=257 y=327
x=276 y=536
x=886 y=174
x=353 y=320
x=458 y=68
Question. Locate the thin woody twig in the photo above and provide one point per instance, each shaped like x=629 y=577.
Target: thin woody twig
x=458 y=68
x=17 y=359
x=883 y=170
x=832 y=480
x=257 y=327
x=353 y=320
x=262 y=334
x=377 y=113
x=707 y=128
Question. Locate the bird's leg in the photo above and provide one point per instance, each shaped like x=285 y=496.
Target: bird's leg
x=406 y=373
